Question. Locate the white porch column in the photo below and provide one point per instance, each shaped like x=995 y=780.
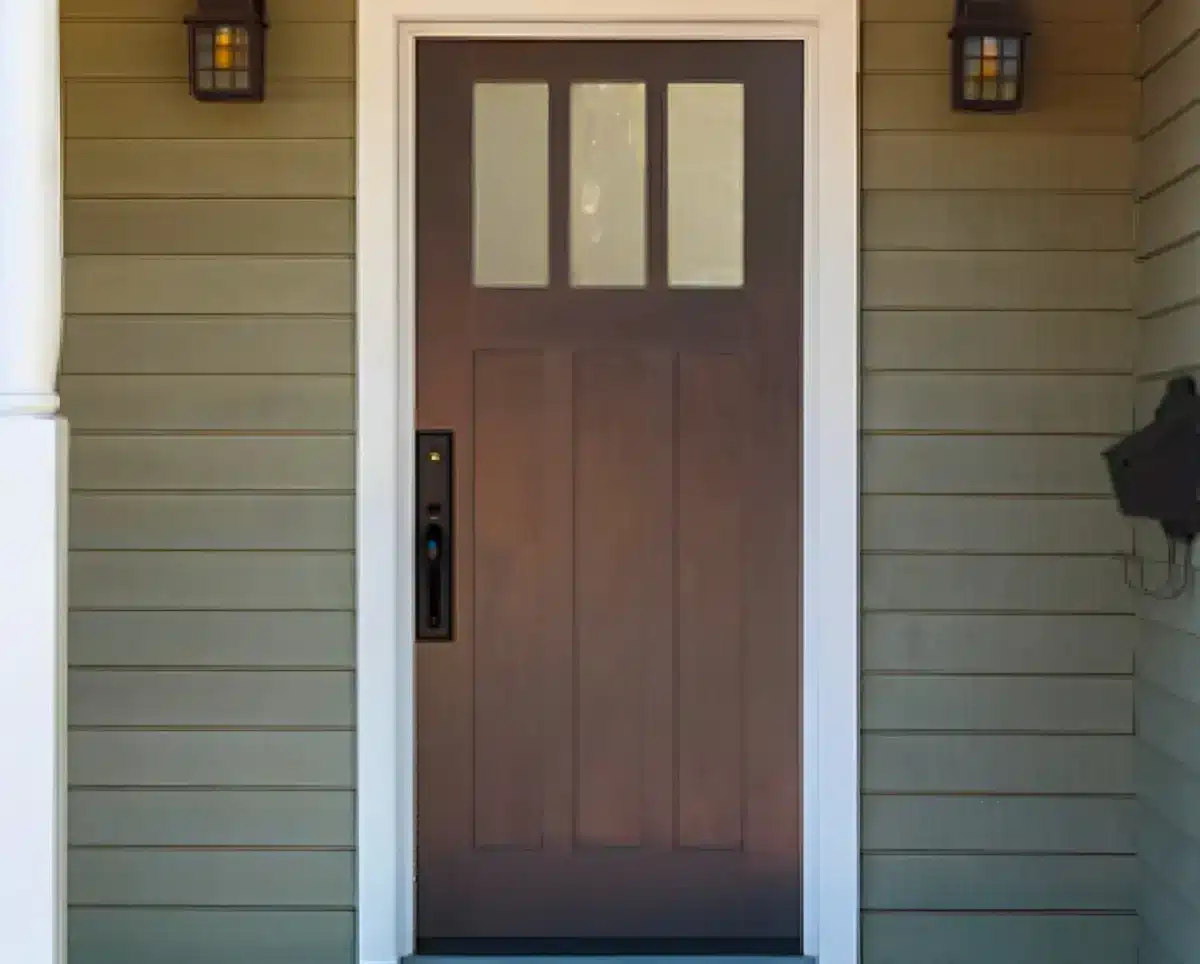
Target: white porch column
x=33 y=516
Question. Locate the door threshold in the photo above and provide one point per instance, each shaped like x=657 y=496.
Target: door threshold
x=722 y=957
x=651 y=950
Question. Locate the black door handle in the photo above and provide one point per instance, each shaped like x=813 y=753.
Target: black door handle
x=434 y=567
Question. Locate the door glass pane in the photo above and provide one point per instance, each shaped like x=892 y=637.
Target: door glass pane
x=511 y=185
x=608 y=185
x=705 y=185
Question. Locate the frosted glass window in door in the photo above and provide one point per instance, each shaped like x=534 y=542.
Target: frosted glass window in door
x=511 y=170
x=608 y=185
x=705 y=185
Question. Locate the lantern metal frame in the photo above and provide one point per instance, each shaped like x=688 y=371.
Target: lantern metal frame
x=1003 y=23
x=249 y=16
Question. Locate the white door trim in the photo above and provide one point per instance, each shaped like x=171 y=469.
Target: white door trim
x=387 y=32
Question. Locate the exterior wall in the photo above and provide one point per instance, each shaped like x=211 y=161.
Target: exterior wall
x=208 y=377
x=998 y=823
x=208 y=372
x=1168 y=653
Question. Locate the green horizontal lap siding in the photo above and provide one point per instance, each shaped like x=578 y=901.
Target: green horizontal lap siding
x=987 y=938
x=208 y=374
x=202 y=225
x=212 y=759
x=252 y=818
x=999 y=341
x=1167 y=753
x=212 y=638
x=204 y=935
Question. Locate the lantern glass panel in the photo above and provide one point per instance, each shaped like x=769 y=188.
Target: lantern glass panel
x=991 y=69
x=204 y=48
x=223 y=57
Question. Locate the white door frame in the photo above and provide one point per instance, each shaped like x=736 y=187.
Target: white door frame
x=387 y=32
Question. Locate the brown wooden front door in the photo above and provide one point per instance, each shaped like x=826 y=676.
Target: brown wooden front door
x=609 y=316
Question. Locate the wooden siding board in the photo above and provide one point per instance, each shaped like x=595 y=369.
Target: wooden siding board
x=940 y=763
x=1170 y=280
x=998 y=882
x=199 y=638
x=995 y=221
x=1071 y=103
x=1168 y=724
x=1171 y=918
x=965 y=704
x=226 y=698
x=1049 y=281
x=1029 y=161
x=212 y=463
x=1170 y=152
x=1170 y=659
x=1170 y=343
x=1051 y=341
x=206 y=878
x=225 y=818
x=200 y=226
x=1008 y=403
x=1170 y=854
x=983 y=465
x=124 y=285
x=1046 y=526
x=1165 y=28
x=980 y=644
x=1170 y=217
x=933 y=938
x=216 y=521
x=210 y=936
x=165 y=109
x=1171 y=86
x=226 y=169
x=1094 y=825
x=1066 y=584
x=212 y=580
x=1169 y=789
x=207 y=345
x=170 y=403
x=210 y=759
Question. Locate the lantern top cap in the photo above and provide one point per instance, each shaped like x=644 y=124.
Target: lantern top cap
x=992 y=16
x=229 y=11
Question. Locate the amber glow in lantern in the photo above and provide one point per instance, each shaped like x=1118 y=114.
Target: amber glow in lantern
x=988 y=44
x=227 y=50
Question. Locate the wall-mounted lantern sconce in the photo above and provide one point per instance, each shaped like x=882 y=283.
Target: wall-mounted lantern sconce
x=227 y=49
x=988 y=45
